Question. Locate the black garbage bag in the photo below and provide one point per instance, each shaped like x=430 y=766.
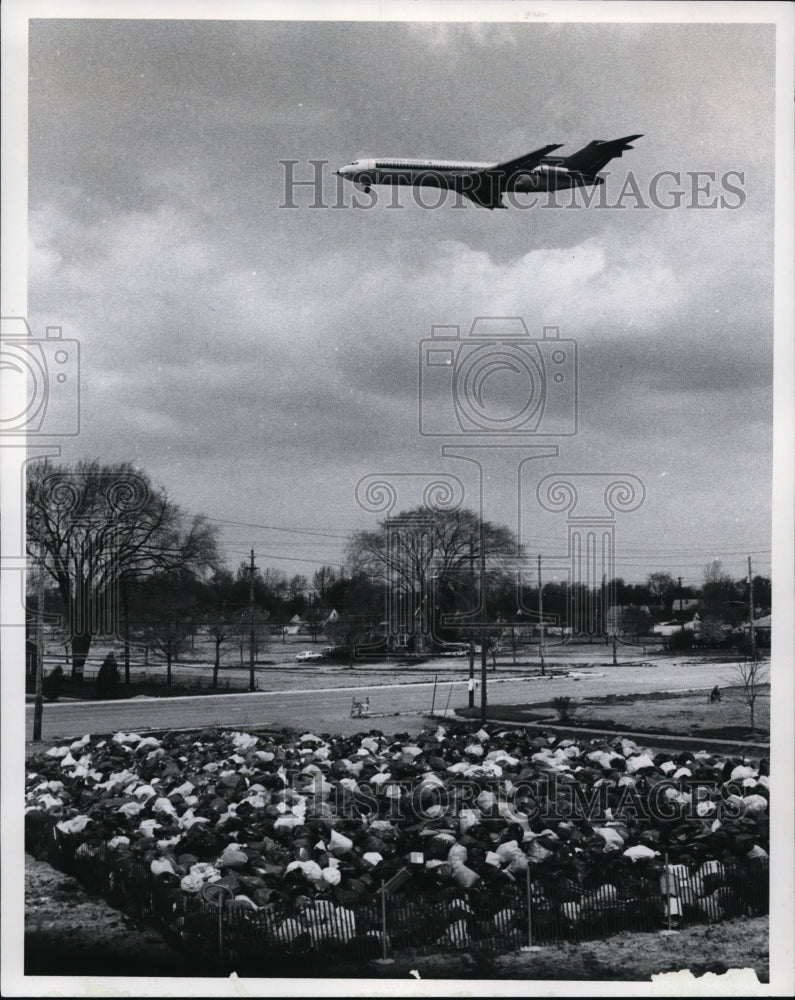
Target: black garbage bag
x=200 y=841
x=37 y=832
x=52 y=685
x=107 y=682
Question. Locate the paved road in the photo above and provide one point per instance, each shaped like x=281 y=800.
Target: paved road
x=328 y=710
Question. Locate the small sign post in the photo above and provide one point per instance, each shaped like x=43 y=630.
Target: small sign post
x=529 y=946
x=384 y=959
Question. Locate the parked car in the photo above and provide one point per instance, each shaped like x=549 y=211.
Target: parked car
x=309 y=654
x=457 y=649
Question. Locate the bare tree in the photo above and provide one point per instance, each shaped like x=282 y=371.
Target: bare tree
x=97 y=527
x=434 y=545
x=242 y=631
x=275 y=584
x=221 y=626
x=322 y=580
x=717 y=591
x=169 y=637
x=662 y=587
x=314 y=616
x=753 y=676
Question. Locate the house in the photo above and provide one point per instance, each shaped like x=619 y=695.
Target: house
x=691 y=623
x=763 y=628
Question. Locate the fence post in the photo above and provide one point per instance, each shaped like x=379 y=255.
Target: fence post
x=433 y=700
x=529 y=946
x=220 y=927
x=668 y=897
x=383 y=960
x=668 y=890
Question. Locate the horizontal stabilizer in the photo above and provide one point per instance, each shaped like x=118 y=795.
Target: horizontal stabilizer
x=597 y=154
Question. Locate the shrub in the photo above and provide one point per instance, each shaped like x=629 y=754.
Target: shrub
x=52 y=684
x=683 y=639
x=107 y=682
x=564 y=707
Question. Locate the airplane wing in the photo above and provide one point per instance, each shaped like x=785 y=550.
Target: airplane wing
x=527 y=162
x=597 y=154
x=485 y=195
x=485 y=187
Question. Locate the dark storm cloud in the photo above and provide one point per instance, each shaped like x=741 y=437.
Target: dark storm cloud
x=222 y=332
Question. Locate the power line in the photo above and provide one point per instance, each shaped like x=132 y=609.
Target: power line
x=270 y=555
x=276 y=527
x=638 y=549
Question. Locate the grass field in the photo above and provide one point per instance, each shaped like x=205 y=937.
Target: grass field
x=689 y=714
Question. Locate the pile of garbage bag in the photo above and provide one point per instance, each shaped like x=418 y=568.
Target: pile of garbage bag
x=305 y=828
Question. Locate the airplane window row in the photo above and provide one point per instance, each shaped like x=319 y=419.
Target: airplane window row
x=416 y=166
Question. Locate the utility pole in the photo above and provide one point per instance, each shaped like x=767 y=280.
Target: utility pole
x=251 y=569
x=38 y=706
x=679 y=578
x=483 y=698
x=541 y=616
x=751 y=610
x=471 y=631
x=125 y=599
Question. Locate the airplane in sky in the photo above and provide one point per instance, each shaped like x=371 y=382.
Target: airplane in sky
x=485 y=183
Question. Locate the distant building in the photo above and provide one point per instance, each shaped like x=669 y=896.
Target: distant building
x=688 y=622
x=763 y=628
x=618 y=614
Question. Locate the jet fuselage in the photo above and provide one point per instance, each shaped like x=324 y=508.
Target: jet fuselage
x=453 y=175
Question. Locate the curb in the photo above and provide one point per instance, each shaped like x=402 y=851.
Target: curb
x=651 y=739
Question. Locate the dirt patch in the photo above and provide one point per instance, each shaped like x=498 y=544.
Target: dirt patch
x=70 y=933
x=636 y=957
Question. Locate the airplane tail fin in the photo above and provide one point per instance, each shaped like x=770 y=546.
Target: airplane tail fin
x=597 y=154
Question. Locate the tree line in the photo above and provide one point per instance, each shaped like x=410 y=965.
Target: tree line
x=119 y=556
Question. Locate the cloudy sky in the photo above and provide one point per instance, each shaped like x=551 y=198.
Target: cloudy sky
x=260 y=360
